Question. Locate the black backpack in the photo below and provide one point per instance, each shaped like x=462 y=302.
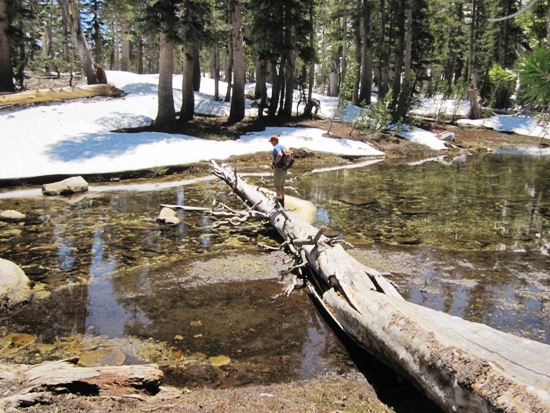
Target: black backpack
x=288 y=159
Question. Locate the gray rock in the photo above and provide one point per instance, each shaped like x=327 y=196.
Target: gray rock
x=14 y=285
x=447 y=136
x=68 y=186
x=12 y=215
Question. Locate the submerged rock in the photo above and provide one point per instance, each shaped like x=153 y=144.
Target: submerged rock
x=168 y=216
x=107 y=356
x=218 y=361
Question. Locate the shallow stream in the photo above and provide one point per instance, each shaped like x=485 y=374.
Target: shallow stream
x=469 y=236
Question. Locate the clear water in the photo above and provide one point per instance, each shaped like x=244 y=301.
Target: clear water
x=470 y=237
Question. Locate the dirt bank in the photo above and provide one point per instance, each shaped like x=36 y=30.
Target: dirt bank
x=331 y=394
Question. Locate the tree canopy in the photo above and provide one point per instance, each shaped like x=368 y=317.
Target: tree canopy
x=437 y=47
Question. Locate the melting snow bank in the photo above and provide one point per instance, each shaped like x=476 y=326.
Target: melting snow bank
x=420 y=136
x=309 y=138
x=118 y=152
x=518 y=124
x=436 y=106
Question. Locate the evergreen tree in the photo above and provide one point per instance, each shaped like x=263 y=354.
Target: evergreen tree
x=55 y=55
x=535 y=25
x=71 y=13
x=281 y=35
x=534 y=73
x=194 y=32
x=24 y=36
x=6 y=68
x=237 y=101
x=453 y=44
x=162 y=16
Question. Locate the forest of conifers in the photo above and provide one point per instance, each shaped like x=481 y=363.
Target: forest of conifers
x=399 y=49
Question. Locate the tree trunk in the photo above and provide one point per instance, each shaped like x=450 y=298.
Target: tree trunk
x=405 y=95
x=473 y=98
x=66 y=40
x=311 y=78
x=237 y=110
x=196 y=70
x=366 y=54
x=166 y=110
x=344 y=64
x=358 y=48
x=71 y=11
x=125 y=50
x=281 y=82
x=115 y=63
x=139 y=56
x=97 y=31
x=215 y=71
x=333 y=79
x=275 y=88
x=399 y=52
x=6 y=68
x=462 y=366
x=188 y=95
x=472 y=76
x=261 y=78
x=29 y=385
x=257 y=76
x=383 y=69
x=229 y=70
x=289 y=84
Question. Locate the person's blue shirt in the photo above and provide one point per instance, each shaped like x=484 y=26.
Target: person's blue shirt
x=276 y=150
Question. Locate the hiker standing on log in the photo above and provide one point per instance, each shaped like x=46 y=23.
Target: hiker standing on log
x=279 y=172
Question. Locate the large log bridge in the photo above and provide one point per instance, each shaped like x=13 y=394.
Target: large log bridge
x=461 y=365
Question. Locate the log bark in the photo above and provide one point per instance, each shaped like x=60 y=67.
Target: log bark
x=32 y=384
x=461 y=365
x=64 y=93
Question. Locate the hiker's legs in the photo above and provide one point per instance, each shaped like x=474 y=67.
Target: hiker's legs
x=279 y=175
x=280 y=190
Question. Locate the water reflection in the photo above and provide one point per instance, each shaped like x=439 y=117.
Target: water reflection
x=472 y=234
x=105 y=315
x=468 y=237
x=486 y=202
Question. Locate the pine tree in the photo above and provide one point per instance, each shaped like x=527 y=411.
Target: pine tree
x=281 y=36
x=71 y=13
x=237 y=109
x=6 y=68
x=534 y=73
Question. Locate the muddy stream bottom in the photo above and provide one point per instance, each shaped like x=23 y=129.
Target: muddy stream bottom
x=203 y=333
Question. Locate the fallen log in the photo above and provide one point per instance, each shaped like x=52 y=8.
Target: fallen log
x=462 y=366
x=30 y=385
x=64 y=93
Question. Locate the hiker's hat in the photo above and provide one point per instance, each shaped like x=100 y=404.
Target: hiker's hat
x=274 y=138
